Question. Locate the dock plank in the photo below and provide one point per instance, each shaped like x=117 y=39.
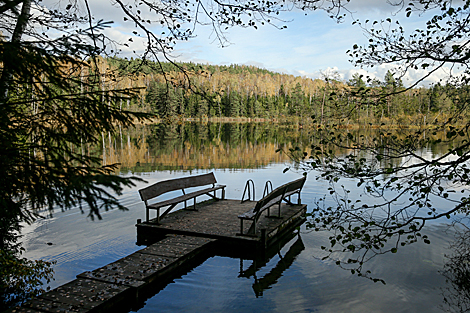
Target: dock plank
x=45 y=305
x=85 y=293
x=169 y=250
x=220 y=220
x=132 y=271
x=176 y=240
x=22 y=309
x=147 y=264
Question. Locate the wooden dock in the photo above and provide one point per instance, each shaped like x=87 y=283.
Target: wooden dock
x=218 y=220
x=182 y=241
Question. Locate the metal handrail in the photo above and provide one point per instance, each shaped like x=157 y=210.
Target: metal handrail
x=247 y=188
x=266 y=188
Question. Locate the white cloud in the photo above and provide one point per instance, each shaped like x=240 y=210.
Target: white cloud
x=372 y=6
x=348 y=74
x=310 y=44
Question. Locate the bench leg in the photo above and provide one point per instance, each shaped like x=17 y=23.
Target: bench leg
x=147 y=214
x=253 y=227
x=251 y=231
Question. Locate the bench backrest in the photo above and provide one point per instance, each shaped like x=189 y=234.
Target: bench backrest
x=280 y=191
x=296 y=184
x=164 y=186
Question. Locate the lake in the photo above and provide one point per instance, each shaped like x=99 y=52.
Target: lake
x=295 y=280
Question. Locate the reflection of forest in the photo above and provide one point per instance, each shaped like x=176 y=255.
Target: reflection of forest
x=189 y=146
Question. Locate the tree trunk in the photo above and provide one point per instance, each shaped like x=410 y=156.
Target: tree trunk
x=20 y=27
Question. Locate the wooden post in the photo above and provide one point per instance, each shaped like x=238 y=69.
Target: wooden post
x=263 y=237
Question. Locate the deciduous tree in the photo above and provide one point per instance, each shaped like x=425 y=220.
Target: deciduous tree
x=398 y=188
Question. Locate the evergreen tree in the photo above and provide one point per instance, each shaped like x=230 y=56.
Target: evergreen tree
x=297 y=100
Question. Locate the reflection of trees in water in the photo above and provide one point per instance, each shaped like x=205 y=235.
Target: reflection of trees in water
x=457 y=274
x=188 y=146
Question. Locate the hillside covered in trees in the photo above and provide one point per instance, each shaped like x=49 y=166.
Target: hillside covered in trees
x=188 y=90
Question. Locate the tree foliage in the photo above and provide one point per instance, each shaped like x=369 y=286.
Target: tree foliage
x=457 y=273
x=21 y=278
x=56 y=99
x=52 y=108
x=387 y=188
x=247 y=91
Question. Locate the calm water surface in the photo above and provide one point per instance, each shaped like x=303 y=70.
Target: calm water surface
x=290 y=282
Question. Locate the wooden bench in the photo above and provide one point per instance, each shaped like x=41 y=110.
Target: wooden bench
x=183 y=183
x=282 y=193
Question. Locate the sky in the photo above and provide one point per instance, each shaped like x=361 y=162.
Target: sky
x=312 y=45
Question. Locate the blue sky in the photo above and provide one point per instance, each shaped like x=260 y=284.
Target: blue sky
x=311 y=45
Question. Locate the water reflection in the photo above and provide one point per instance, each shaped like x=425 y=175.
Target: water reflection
x=261 y=261
x=189 y=146
x=456 y=270
x=270 y=279
x=296 y=281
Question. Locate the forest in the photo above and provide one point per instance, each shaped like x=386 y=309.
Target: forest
x=188 y=90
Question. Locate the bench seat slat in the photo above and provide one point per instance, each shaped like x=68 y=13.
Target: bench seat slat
x=248 y=215
x=185 y=197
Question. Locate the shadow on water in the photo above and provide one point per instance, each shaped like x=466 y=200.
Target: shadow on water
x=260 y=260
x=270 y=279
